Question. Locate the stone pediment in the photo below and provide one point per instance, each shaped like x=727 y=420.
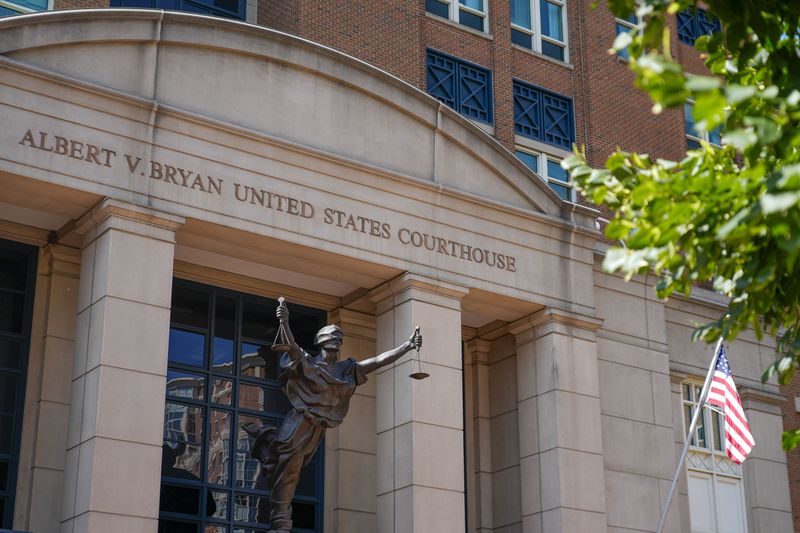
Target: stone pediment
x=282 y=88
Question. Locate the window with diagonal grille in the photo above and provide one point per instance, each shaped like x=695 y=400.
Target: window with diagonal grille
x=695 y=23
x=543 y=115
x=463 y=86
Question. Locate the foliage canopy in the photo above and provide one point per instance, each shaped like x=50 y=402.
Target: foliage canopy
x=726 y=214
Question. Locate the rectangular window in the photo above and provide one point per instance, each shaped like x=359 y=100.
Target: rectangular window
x=469 y=13
x=549 y=168
x=693 y=136
x=233 y=9
x=17 y=279
x=463 y=86
x=221 y=376
x=693 y=23
x=540 y=25
x=18 y=7
x=623 y=26
x=716 y=493
x=544 y=116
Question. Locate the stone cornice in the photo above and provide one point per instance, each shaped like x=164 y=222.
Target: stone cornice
x=130 y=218
x=557 y=316
x=760 y=396
x=409 y=280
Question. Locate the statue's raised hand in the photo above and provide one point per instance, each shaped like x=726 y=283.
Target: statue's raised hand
x=415 y=340
x=282 y=312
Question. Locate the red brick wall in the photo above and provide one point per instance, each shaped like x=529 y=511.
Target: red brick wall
x=791 y=420
x=77 y=4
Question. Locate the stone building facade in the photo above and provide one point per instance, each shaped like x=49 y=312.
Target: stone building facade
x=166 y=176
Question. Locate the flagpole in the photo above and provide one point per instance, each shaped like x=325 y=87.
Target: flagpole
x=695 y=418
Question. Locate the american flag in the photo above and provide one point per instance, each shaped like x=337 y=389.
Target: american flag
x=738 y=439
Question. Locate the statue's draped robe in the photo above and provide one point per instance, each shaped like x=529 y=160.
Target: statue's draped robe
x=320 y=396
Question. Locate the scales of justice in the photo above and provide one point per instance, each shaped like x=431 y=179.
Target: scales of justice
x=319 y=388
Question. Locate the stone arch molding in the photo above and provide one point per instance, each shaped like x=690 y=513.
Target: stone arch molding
x=270 y=85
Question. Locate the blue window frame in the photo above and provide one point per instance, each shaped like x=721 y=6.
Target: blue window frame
x=544 y=116
x=465 y=87
x=695 y=23
x=222 y=375
x=234 y=9
x=17 y=280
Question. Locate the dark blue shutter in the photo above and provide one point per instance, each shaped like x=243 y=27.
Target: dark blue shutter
x=706 y=25
x=543 y=116
x=473 y=92
x=465 y=87
x=693 y=24
x=687 y=28
x=441 y=74
x=557 y=120
x=527 y=114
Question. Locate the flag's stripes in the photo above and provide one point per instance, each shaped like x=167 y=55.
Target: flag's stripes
x=738 y=439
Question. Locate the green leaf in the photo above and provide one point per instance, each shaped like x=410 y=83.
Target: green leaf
x=698 y=84
x=739 y=93
x=771 y=203
x=790 y=439
x=709 y=110
x=741 y=139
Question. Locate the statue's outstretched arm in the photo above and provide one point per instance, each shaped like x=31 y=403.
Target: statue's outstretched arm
x=387 y=358
x=283 y=316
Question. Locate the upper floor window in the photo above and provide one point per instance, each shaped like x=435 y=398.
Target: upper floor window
x=469 y=13
x=465 y=87
x=549 y=168
x=693 y=136
x=544 y=116
x=692 y=23
x=540 y=25
x=18 y=7
x=234 y=9
x=222 y=376
x=626 y=25
x=716 y=492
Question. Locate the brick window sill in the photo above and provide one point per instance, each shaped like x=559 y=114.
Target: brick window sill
x=467 y=29
x=542 y=56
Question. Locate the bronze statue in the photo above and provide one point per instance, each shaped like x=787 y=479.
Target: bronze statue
x=319 y=389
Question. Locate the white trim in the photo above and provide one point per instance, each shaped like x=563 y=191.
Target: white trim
x=454 y=8
x=542 y=158
x=536 y=30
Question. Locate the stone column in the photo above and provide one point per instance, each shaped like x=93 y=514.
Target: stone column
x=420 y=471
x=765 y=474
x=350 y=463
x=113 y=461
x=48 y=395
x=561 y=450
x=478 y=431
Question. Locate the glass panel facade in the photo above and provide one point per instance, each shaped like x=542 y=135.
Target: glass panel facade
x=221 y=376
x=17 y=279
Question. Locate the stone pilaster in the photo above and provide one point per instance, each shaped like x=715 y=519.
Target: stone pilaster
x=478 y=433
x=113 y=460
x=420 y=471
x=350 y=460
x=41 y=477
x=561 y=449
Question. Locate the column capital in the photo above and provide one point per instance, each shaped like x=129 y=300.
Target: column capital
x=551 y=316
x=354 y=323
x=479 y=350
x=130 y=218
x=60 y=259
x=417 y=287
